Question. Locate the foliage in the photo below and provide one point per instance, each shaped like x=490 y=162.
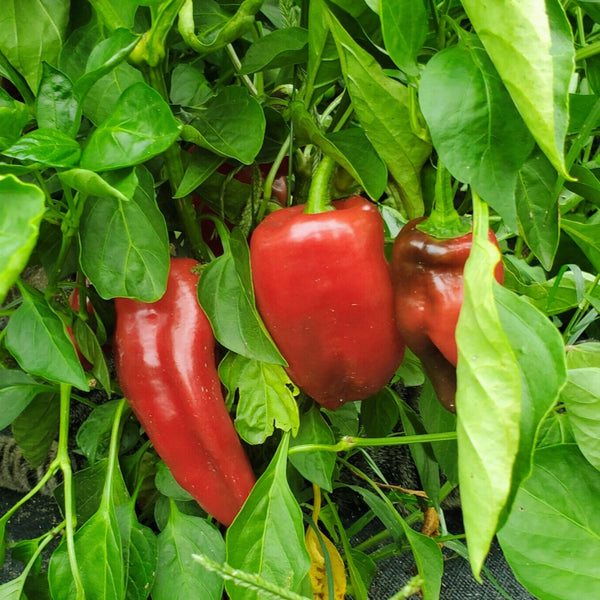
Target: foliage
x=133 y=130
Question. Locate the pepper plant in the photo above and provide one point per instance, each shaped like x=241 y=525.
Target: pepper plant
x=136 y=133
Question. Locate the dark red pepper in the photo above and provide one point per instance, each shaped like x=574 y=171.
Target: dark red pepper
x=323 y=289
x=427 y=275
x=165 y=360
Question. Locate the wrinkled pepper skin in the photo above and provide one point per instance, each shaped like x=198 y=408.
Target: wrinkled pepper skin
x=427 y=275
x=324 y=291
x=165 y=360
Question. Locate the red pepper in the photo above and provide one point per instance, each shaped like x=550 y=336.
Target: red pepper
x=323 y=289
x=165 y=360
x=427 y=275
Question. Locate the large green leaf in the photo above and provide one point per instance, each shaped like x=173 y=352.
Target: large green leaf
x=232 y=124
x=477 y=131
x=267 y=536
x=552 y=539
x=179 y=576
x=531 y=46
x=281 y=48
x=226 y=295
x=540 y=353
x=49 y=147
x=21 y=211
x=265 y=400
x=586 y=236
x=125 y=245
x=537 y=207
x=488 y=401
x=382 y=105
x=581 y=397
x=57 y=106
x=316 y=465
x=140 y=127
x=37 y=338
x=404 y=28
x=17 y=390
x=31 y=32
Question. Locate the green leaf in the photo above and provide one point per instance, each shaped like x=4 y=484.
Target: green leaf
x=13 y=589
x=88 y=488
x=350 y=148
x=266 y=398
x=232 y=124
x=550 y=542
x=21 y=211
x=581 y=397
x=90 y=348
x=427 y=553
x=537 y=207
x=267 y=536
x=202 y=164
x=539 y=349
x=48 y=147
x=189 y=86
x=586 y=185
x=14 y=115
x=531 y=46
x=225 y=293
x=379 y=414
x=93 y=436
x=36 y=428
x=167 y=486
x=488 y=401
x=586 y=236
x=125 y=245
x=90 y=184
x=281 y=48
x=140 y=127
x=316 y=465
x=37 y=338
x=17 y=390
x=99 y=558
x=586 y=354
x=140 y=550
x=471 y=128
x=383 y=107
x=436 y=419
x=103 y=97
x=103 y=58
x=404 y=28
x=179 y=576
x=33 y=32
x=57 y=106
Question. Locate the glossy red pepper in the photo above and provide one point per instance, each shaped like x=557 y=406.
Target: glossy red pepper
x=323 y=289
x=427 y=275
x=165 y=360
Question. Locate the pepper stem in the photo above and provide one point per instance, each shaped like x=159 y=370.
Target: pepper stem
x=319 y=196
x=444 y=221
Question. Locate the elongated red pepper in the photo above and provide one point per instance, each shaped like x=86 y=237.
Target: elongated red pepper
x=427 y=274
x=165 y=360
x=323 y=289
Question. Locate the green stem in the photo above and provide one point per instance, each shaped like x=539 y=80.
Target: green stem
x=64 y=461
x=350 y=442
x=444 y=221
x=480 y=217
x=587 y=51
x=113 y=454
x=319 y=195
x=270 y=178
x=237 y=65
x=174 y=168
